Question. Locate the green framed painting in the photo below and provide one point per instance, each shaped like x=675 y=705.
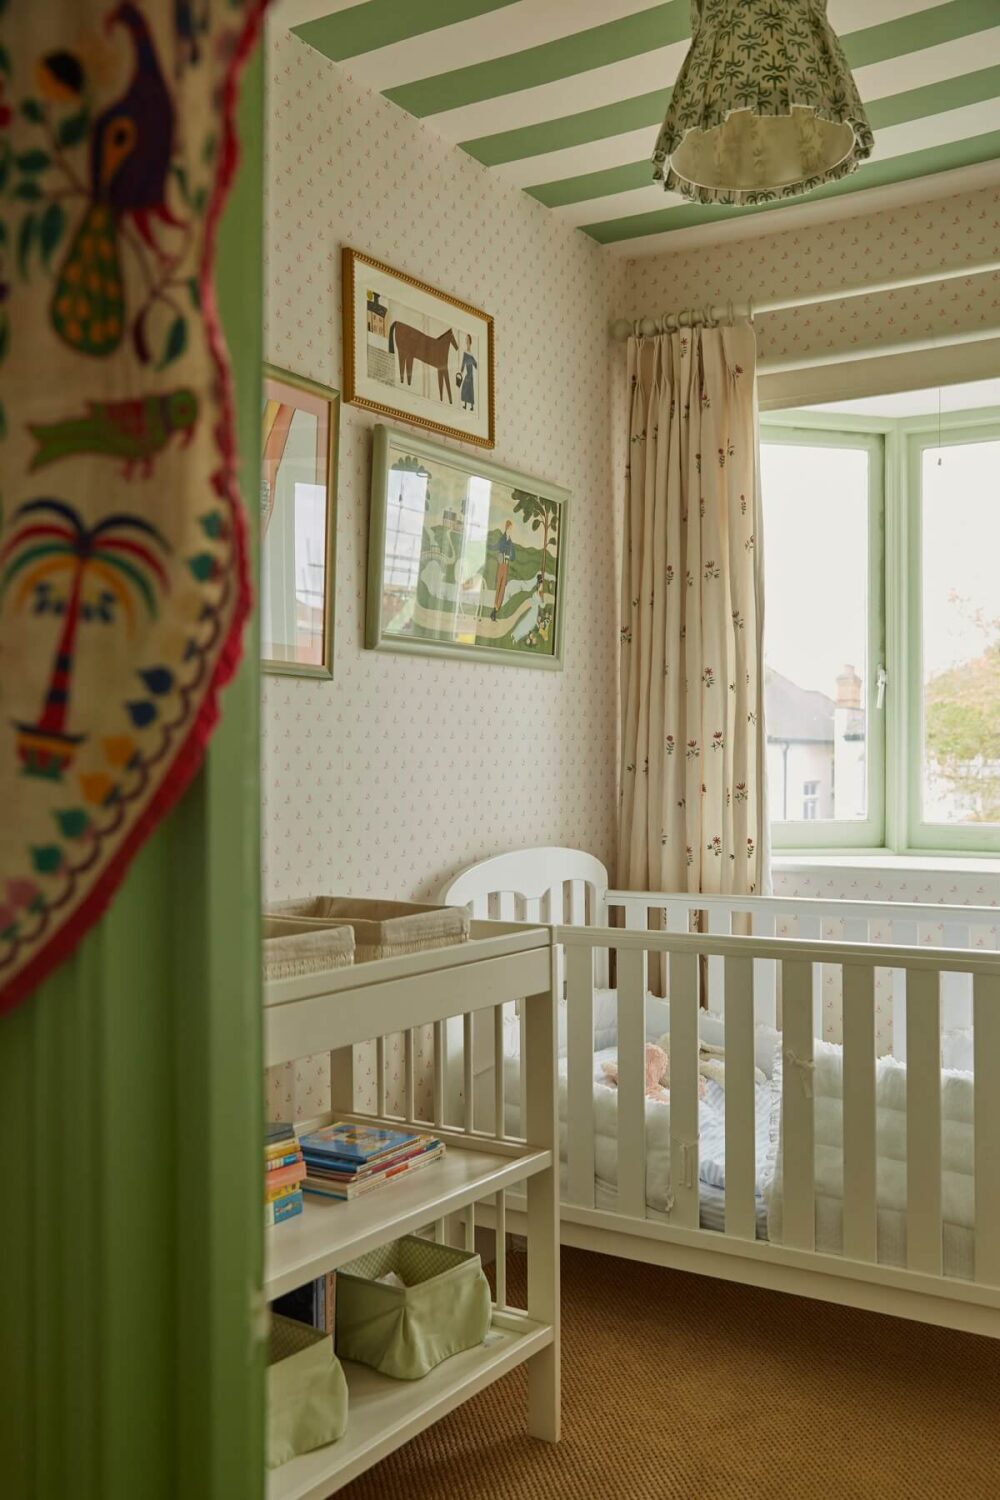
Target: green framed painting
x=466 y=559
x=298 y=524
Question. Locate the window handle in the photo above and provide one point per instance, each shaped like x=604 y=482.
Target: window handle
x=880 y=681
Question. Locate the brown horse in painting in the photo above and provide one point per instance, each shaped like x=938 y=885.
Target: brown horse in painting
x=408 y=343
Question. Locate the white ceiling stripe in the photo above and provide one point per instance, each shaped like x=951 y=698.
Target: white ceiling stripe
x=529 y=23
x=855 y=15
x=566 y=96
x=799 y=215
x=933 y=65
x=896 y=140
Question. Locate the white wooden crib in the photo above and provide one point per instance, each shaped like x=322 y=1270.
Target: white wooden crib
x=841 y=1174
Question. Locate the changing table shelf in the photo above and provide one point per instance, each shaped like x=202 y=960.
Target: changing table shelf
x=327 y=1233
x=386 y=1413
x=333 y=1011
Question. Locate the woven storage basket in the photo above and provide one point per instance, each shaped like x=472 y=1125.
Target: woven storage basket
x=383 y=929
x=404 y=1331
x=292 y=947
x=306 y=1391
x=297 y=1090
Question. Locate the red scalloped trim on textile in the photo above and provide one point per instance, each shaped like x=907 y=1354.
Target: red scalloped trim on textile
x=190 y=754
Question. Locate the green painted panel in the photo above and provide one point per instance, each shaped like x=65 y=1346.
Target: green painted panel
x=379 y=23
x=873 y=174
x=130 y=1111
x=915 y=104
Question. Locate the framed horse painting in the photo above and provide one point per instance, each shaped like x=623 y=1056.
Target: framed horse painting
x=413 y=352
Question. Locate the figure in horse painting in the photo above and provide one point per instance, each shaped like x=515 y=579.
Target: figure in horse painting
x=409 y=344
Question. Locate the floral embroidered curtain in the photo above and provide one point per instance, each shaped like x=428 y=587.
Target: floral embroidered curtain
x=693 y=763
x=124 y=580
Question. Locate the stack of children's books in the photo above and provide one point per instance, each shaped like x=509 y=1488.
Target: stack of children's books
x=284 y=1170
x=343 y=1161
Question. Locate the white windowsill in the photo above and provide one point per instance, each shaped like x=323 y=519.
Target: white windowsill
x=789 y=861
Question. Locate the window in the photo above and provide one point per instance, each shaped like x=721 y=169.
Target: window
x=882 y=634
x=954 y=692
x=823 y=562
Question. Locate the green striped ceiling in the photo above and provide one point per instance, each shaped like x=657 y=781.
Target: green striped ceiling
x=564 y=98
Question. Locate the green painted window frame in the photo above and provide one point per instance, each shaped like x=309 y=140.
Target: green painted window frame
x=897 y=626
x=967 y=427
x=827 y=833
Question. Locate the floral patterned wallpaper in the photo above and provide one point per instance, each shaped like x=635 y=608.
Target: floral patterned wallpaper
x=942 y=233
x=402 y=770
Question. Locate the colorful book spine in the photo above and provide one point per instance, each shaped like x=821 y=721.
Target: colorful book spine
x=284 y=1208
x=293 y=1173
x=275 y=1163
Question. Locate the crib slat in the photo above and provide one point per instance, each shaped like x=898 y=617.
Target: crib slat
x=467 y=1077
x=765 y=973
x=635 y=915
x=470 y=1227
x=577 y=904
x=580 y=1075
x=684 y=1089
x=380 y=1077
x=440 y=1067
x=499 y=1123
x=860 y=1238
x=720 y=922
x=923 y=1122
x=741 y=1218
x=343 y=1093
x=956 y=989
x=500 y=1246
x=506 y=909
x=631 y=1100
x=986 y=1044
x=522 y=1052
x=907 y=933
x=811 y=928
x=533 y=908
x=797 y=1136
x=409 y=1090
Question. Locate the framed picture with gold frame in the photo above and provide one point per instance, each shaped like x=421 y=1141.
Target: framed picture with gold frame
x=413 y=352
x=298 y=524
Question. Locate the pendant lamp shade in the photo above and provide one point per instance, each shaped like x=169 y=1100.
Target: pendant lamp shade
x=764 y=106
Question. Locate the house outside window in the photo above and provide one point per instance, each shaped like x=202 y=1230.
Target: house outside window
x=882 y=645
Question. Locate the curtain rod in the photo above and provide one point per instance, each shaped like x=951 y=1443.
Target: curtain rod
x=647 y=327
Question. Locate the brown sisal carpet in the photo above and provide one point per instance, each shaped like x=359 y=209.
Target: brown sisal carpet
x=679 y=1387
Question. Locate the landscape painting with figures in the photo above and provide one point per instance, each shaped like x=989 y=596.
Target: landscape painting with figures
x=466 y=558
x=413 y=352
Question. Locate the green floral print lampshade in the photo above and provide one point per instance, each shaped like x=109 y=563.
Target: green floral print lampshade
x=764 y=106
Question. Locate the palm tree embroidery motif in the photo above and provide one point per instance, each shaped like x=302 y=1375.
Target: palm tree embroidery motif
x=121 y=553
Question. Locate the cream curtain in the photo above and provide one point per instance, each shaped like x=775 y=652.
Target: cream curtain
x=693 y=765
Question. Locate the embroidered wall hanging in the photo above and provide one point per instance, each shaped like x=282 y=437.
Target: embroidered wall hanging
x=123 y=565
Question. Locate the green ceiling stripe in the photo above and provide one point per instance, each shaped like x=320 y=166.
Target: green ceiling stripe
x=935 y=98
x=616 y=41
x=898 y=109
x=378 y=23
x=570 y=130
x=873 y=174
x=928 y=28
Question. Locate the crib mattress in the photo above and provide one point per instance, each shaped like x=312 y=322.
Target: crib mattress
x=712 y=1145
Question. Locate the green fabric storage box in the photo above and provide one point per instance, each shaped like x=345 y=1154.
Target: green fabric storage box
x=306 y=1391
x=404 y=1331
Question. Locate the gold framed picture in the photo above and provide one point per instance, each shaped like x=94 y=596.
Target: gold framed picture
x=413 y=352
x=298 y=524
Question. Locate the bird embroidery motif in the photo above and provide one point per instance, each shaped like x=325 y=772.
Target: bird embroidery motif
x=135 y=431
x=131 y=145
